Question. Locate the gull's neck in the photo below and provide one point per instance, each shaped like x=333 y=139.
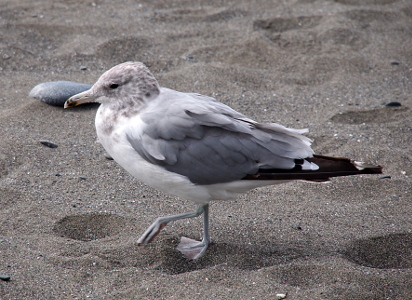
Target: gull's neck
x=112 y=115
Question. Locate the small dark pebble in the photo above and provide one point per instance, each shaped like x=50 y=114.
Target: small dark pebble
x=297 y=227
x=4 y=277
x=48 y=144
x=83 y=177
x=386 y=177
x=58 y=174
x=395 y=63
x=57 y=92
x=393 y=104
x=83 y=68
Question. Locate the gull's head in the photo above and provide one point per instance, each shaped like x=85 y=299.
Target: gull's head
x=128 y=82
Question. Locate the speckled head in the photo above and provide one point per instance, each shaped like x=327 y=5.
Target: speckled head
x=125 y=84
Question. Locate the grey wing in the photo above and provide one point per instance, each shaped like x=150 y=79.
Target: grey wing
x=209 y=143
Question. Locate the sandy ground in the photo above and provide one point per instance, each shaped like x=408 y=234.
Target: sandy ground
x=70 y=218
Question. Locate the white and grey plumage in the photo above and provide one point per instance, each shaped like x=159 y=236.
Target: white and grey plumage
x=194 y=147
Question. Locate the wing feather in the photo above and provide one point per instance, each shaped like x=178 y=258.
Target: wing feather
x=209 y=142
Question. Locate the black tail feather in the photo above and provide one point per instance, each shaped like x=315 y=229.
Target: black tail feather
x=328 y=167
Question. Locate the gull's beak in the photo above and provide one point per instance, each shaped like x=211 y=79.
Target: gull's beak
x=83 y=97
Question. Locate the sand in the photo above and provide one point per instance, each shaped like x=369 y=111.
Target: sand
x=70 y=218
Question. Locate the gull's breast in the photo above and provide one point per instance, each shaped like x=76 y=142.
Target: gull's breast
x=111 y=132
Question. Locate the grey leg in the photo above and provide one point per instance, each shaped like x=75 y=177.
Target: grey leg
x=194 y=249
x=191 y=248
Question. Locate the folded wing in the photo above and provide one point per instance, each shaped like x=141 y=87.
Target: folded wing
x=208 y=142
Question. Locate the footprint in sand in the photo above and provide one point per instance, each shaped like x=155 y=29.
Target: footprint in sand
x=285 y=24
x=380 y=115
x=392 y=251
x=365 y=2
x=196 y=15
x=89 y=227
x=124 y=49
x=364 y=18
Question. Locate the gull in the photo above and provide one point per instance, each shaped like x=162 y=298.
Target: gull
x=196 y=148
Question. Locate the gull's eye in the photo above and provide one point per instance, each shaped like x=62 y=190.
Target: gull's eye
x=113 y=86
